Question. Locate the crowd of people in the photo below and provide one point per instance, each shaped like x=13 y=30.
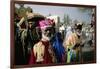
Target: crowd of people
x=39 y=43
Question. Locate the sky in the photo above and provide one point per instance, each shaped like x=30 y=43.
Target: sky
x=73 y=12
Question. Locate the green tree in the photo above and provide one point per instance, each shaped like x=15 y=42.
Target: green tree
x=29 y=9
x=21 y=11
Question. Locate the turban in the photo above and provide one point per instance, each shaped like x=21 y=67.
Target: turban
x=45 y=23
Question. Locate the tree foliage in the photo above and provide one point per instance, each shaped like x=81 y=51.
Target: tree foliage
x=66 y=20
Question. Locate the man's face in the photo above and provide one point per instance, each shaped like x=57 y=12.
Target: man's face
x=48 y=33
